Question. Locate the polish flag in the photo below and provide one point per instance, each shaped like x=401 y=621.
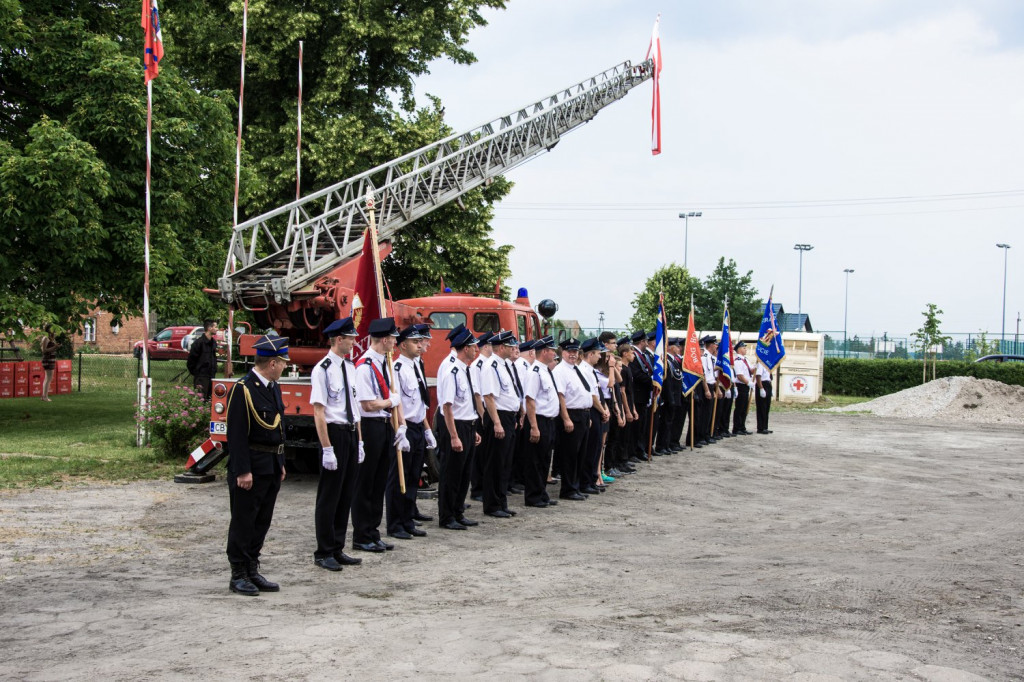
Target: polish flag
x=197 y=455
x=654 y=52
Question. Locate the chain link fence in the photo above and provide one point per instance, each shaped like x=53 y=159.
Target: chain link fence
x=961 y=346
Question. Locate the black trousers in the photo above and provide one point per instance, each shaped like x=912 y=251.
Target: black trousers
x=703 y=415
x=252 y=511
x=401 y=507
x=739 y=413
x=334 y=493
x=595 y=440
x=453 y=483
x=519 y=454
x=570 y=449
x=763 y=405
x=497 y=463
x=537 y=460
x=666 y=416
x=679 y=421
x=203 y=385
x=641 y=426
x=368 y=502
x=724 y=413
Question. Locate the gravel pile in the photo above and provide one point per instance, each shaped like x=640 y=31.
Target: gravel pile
x=964 y=399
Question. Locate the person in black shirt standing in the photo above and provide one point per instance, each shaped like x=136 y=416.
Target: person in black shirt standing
x=202 y=359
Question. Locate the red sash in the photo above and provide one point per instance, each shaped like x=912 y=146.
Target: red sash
x=384 y=391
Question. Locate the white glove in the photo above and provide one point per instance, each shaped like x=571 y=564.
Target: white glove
x=735 y=392
x=362 y=452
x=396 y=400
x=428 y=435
x=762 y=393
x=330 y=462
x=400 y=434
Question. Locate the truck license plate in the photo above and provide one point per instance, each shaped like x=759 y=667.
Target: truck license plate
x=220 y=428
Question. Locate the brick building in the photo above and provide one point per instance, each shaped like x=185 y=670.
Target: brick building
x=100 y=336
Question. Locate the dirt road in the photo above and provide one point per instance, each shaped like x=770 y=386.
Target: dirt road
x=840 y=547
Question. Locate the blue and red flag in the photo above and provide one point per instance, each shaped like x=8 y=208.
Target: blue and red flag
x=660 y=345
x=153 y=39
x=724 y=360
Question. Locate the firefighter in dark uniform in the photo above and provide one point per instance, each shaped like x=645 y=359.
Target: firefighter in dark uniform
x=255 y=443
x=672 y=400
x=642 y=388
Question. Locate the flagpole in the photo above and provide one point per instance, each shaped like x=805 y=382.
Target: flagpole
x=298 y=143
x=145 y=387
x=230 y=331
x=382 y=312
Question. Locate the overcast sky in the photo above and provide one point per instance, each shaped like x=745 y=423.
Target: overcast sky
x=889 y=134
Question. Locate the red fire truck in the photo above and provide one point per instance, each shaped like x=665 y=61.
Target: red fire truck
x=294 y=267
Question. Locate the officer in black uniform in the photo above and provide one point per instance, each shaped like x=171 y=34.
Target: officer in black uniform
x=255 y=442
x=642 y=388
x=672 y=400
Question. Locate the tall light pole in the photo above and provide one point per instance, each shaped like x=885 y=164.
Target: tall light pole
x=686 y=236
x=600 y=321
x=800 y=289
x=846 y=309
x=1006 y=251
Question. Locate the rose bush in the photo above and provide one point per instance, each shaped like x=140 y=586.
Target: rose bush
x=177 y=419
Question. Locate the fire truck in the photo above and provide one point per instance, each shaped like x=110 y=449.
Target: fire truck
x=294 y=268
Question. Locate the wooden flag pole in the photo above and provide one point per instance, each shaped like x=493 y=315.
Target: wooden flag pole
x=691 y=418
x=381 y=313
x=650 y=426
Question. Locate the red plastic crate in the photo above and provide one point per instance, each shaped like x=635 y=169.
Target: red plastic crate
x=21 y=379
x=6 y=391
x=35 y=378
x=63 y=387
x=63 y=366
x=7 y=368
x=35 y=366
x=21 y=390
x=6 y=379
x=35 y=390
x=21 y=368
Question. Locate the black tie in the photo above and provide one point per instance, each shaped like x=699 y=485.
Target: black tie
x=553 y=382
x=424 y=393
x=597 y=382
x=515 y=381
x=387 y=375
x=580 y=375
x=470 y=377
x=348 y=396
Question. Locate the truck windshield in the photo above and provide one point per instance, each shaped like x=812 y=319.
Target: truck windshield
x=443 y=320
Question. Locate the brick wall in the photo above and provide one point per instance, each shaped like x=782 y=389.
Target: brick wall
x=114 y=339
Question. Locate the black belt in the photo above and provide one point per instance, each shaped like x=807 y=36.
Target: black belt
x=377 y=419
x=343 y=427
x=471 y=422
x=580 y=412
x=508 y=412
x=540 y=416
x=273 y=449
x=415 y=425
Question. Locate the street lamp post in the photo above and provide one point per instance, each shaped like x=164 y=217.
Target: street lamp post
x=846 y=309
x=800 y=289
x=686 y=236
x=1002 y=336
x=600 y=321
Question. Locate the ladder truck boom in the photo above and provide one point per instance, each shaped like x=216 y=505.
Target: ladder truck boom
x=278 y=257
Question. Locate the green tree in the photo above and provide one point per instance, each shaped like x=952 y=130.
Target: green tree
x=678 y=285
x=745 y=306
x=929 y=337
x=72 y=169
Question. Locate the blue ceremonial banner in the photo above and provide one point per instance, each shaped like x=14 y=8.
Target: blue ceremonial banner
x=660 y=341
x=770 y=350
x=724 y=360
x=690 y=382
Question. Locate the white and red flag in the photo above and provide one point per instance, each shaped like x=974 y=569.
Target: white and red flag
x=153 y=39
x=654 y=52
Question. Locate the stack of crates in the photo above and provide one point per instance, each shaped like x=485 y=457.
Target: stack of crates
x=25 y=379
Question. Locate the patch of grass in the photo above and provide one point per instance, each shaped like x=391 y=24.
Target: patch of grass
x=826 y=401
x=78 y=436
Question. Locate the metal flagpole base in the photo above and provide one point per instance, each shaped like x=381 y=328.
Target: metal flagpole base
x=189 y=477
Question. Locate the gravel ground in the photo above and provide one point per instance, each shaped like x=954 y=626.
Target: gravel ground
x=841 y=547
x=963 y=399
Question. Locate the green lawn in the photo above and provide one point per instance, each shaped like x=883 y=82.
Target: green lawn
x=78 y=436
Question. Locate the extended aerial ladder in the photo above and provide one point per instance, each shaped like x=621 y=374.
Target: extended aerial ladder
x=278 y=258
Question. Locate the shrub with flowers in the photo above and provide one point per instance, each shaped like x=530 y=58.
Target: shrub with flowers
x=177 y=419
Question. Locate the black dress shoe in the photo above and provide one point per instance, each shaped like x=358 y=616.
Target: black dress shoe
x=422 y=517
x=768 y=431
x=552 y=503
x=401 y=535
x=698 y=445
x=467 y=522
x=500 y=514
x=416 y=523
x=574 y=496
x=539 y=505
x=417 y=533
x=328 y=562
x=510 y=512
x=453 y=525
x=346 y=560
x=367 y=546
x=516 y=489
x=385 y=545
x=477 y=498
x=590 y=490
